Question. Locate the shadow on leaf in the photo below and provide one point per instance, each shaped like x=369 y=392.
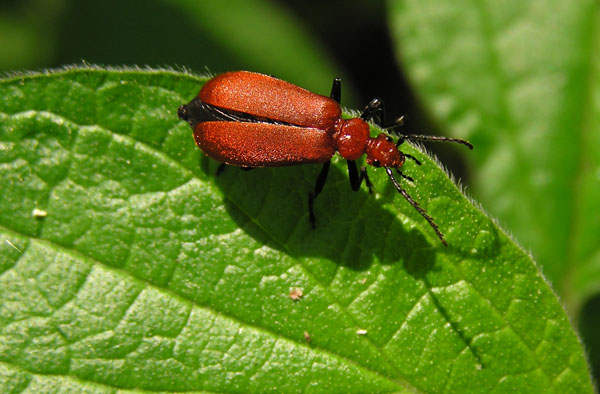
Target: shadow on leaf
x=353 y=229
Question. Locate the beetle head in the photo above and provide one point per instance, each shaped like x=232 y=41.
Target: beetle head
x=383 y=152
x=182 y=113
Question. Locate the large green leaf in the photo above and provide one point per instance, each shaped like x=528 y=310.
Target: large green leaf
x=150 y=272
x=521 y=80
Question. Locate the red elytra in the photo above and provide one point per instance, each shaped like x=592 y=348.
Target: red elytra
x=253 y=120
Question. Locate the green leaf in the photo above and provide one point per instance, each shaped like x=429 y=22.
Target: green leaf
x=150 y=272
x=521 y=80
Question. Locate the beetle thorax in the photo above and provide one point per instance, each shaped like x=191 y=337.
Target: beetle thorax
x=351 y=138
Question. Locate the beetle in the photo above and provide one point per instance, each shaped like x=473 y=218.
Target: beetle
x=248 y=119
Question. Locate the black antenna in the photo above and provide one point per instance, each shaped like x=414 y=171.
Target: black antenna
x=436 y=138
x=415 y=205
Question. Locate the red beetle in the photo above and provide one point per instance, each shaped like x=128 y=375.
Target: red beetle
x=253 y=120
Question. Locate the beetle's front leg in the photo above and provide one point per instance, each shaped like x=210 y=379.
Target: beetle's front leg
x=336 y=90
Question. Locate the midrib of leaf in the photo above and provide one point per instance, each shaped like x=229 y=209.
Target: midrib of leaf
x=173 y=294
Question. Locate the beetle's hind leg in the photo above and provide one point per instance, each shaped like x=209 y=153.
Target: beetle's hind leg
x=223 y=166
x=317 y=190
x=220 y=169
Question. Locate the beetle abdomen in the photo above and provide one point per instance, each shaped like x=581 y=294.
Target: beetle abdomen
x=270 y=145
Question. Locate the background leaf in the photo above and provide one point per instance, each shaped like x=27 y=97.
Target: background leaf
x=150 y=272
x=520 y=81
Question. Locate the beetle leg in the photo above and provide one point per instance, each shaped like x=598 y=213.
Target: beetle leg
x=357 y=178
x=318 y=188
x=416 y=206
x=393 y=128
x=412 y=158
x=408 y=178
x=365 y=176
x=336 y=90
x=375 y=107
x=220 y=169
